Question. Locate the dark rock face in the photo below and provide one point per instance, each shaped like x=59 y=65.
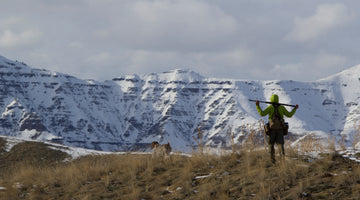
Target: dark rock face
x=31 y=121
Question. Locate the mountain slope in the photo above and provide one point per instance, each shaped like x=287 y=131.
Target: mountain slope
x=131 y=111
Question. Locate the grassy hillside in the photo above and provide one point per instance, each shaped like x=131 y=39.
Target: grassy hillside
x=33 y=171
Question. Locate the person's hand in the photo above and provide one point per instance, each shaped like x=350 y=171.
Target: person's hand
x=257 y=103
x=296 y=106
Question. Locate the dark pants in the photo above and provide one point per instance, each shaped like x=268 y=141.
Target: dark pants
x=276 y=136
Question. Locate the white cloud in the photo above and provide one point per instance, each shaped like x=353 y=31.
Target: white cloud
x=153 y=61
x=326 y=61
x=99 y=58
x=310 y=68
x=285 y=71
x=230 y=39
x=327 y=17
x=9 y=38
x=10 y=21
x=224 y=64
x=14 y=32
x=231 y=59
x=76 y=44
x=170 y=25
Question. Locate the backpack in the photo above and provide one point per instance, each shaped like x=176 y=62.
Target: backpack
x=276 y=122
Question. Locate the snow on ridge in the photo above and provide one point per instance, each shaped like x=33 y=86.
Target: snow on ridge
x=4 y=60
x=74 y=152
x=170 y=106
x=181 y=75
x=351 y=72
x=185 y=75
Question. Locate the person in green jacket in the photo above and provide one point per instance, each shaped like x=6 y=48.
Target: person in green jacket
x=275 y=135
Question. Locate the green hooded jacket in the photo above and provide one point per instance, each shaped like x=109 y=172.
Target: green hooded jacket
x=270 y=109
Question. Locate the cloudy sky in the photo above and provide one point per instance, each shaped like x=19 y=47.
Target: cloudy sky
x=301 y=40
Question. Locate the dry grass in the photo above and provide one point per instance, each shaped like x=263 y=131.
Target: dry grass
x=356 y=135
x=32 y=171
x=2 y=145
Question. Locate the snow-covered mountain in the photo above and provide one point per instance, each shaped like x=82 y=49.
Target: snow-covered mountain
x=129 y=112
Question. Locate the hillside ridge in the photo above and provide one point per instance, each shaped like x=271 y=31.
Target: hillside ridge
x=130 y=111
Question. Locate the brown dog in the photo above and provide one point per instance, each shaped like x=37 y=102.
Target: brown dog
x=161 y=151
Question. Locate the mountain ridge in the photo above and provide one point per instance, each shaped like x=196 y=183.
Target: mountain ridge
x=131 y=111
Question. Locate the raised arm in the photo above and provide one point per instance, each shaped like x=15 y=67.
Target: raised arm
x=263 y=112
x=285 y=112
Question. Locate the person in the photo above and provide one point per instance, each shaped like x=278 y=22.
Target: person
x=276 y=132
